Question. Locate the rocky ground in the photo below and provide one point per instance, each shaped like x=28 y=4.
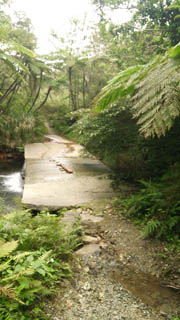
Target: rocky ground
x=118 y=274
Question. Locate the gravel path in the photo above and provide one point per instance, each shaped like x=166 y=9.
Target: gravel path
x=95 y=297
x=97 y=291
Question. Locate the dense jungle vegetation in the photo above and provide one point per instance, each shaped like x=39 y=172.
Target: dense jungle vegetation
x=119 y=96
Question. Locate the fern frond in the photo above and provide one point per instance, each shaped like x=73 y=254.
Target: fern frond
x=9 y=292
x=7 y=248
x=5 y=265
x=15 y=276
x=157 y=103
x=15 y=46
x=151 y=227
x=152 y=90
x=120 y=86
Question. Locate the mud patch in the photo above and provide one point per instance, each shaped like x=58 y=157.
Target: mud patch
x=148 y=288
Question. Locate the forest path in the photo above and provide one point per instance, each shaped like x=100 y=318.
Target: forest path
x=60 y=174
x=118 y=274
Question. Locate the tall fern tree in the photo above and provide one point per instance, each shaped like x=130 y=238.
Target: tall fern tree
x=152 y=91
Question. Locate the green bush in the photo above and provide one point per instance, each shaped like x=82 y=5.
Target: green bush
x=18 y=129
x=111 y=135
x=157 y=206
x=162 y=153
x=34 y=258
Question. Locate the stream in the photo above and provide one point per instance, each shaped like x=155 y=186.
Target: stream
x=11 y=182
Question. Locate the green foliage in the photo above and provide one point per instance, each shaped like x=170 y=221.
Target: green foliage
x=7 y=248
x=152 y=92
x=112 y=136
x=160 y=16
x=120 y=86
x=157 y=205
x=63 y=119
x=161 y=153
x=157 y=101
x=17 y=129
x=35 y=253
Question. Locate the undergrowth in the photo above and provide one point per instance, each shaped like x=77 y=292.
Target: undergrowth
x=35 y=256
x=156 y=207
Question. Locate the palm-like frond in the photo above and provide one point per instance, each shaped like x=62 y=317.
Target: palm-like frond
x=156 y=102
x=7 y=248
x=120 y=86
x=152 y=90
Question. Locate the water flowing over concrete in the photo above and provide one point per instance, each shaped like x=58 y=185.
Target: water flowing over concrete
x=11 y=182
x=60 y=174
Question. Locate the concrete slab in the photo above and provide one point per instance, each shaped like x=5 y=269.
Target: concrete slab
x=48 y=185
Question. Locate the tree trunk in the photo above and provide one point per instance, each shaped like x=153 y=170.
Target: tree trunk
x=8 y=91
x=45 y=99
x=37 y=94
x=13 y=92
x=73 y=99
x=84 y=89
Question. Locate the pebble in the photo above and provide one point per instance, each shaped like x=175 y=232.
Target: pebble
x=103 y=244
x=87 y=286
x=79 y=210
x=89 y=239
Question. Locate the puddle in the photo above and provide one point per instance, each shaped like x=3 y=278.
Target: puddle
x=148 y=288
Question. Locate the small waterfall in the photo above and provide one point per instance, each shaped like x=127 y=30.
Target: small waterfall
x=11 y=182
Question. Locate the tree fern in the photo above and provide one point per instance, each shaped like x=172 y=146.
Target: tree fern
x=120 y=86
x=152 y=92
x=157 y=103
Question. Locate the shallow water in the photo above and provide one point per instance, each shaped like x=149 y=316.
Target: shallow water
x=148 y=288
x=11 y=182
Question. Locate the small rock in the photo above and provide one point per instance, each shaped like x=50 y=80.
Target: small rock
x=86 y=269
x=88 y=217
x=68 y=304
x=87 y=286
x=100 y=214
x=89 y=239
x=163 y=314
x=89 y=249
x=121 y=257
x=100 y=295
x=70 y=217
x=103 y=244
x=79 y=267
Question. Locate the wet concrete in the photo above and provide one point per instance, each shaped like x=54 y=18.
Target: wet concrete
x=48 y=185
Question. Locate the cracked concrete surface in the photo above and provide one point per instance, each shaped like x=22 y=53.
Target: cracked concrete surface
x=48 y=185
